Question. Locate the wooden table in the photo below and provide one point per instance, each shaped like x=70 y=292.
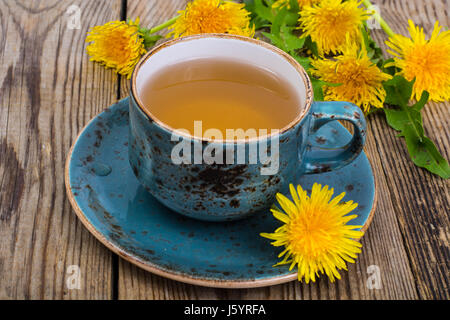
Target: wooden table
x=50 y=90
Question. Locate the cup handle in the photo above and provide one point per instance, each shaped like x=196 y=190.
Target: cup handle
x=318 y=160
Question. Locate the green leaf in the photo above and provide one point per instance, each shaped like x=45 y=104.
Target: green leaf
x=318 y=88
x=260 y=16
x=311 y=45
x=275 y=39
x=400 y=119
x=260 y=23
x=365 y=36
x=395 y=118
x=392 y=70
x=318 y=91
x=425 y=154
x=282 y=35
x=260 y=9
x=398 y=91
x=408 y=121
x=292 y=18
x=278 y=21
x=292 y=41
x=249 y=4
x=305 y=62
x=295 y=7
x=423 y=100
x=374 y=52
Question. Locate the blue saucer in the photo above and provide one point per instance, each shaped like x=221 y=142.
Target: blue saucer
x=113 y=206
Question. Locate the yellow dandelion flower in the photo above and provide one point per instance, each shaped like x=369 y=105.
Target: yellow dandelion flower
x=428 y=61
x=212 y=16
x=331 y=21
x=361 y=81
x=117 y=45
x=301 y=3
x=315 y=233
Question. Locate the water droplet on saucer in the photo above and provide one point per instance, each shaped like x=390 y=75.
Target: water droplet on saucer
x=101 y=169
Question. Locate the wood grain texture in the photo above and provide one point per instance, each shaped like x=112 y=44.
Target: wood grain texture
x=49 y=91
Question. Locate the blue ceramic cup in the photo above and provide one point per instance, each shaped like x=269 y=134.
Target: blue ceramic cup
x=237 y=186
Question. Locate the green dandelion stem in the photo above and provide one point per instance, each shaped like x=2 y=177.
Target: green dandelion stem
x=164 y=25
x=149 y=36
x=376 y=15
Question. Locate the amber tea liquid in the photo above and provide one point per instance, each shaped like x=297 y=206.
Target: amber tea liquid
x=223 y=94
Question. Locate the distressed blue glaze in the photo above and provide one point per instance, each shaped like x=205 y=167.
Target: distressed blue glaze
x=321 y=159
x=232 y=191
x=125 y=217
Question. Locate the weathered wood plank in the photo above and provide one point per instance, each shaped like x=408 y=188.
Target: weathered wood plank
x=420 y=199
x=49 y=91
x=382 y=245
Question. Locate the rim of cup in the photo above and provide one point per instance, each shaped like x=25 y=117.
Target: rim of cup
x=298 y=68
